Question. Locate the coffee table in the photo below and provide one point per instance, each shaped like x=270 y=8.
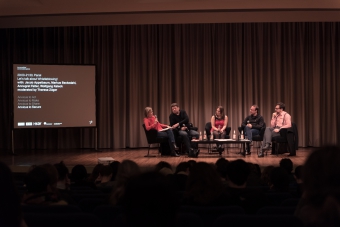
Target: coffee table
x=224 y=142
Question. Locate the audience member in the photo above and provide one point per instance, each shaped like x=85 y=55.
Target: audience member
x=95 y=173
x=40 y=188
x=104 y=178
x=126 y=170
x=249 y=198
x=181 y=176
x=10 y=211
x=287 y=164
x=52 y=175
x=114 y=165
x=279 y=180
x=163 y=167
x=79 y=177
x=320 y=202
x=63 y=176
x=221 y=167
x=298 y=178
x=63 y=183
x=254 y=178
x=265 y=176
x=150 y=200
x=204 y=187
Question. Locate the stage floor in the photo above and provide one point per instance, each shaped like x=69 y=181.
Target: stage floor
x=23 y=159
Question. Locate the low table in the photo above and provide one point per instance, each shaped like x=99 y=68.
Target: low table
x=223 y=142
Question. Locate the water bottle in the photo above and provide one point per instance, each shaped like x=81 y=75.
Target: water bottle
x=211 y=136
x=200 y=136
x=242 y=136
x=234 y=135
x=205 y=136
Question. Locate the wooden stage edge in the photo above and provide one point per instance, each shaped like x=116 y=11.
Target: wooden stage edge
x=23 y=159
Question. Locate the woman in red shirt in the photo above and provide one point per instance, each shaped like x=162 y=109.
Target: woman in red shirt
x=151 y=122
x=219 y=123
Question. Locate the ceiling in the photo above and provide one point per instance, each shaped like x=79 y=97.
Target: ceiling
x=51 y=13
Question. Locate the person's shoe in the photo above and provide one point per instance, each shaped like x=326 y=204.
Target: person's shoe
x=174 y=154
x=266 y=146
x=192 y=153
x=248 y=153
x=261 y=155
x=176 y=148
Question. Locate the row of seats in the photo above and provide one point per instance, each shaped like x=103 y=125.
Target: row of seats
x=106 y=215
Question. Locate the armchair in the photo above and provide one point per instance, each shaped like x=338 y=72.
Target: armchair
x=152 y=138
x=207 y=131
x=256 y=138
x=289 y=137
x=208 y=128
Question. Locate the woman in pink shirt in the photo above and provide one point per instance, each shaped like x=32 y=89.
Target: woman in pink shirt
x=151 y=122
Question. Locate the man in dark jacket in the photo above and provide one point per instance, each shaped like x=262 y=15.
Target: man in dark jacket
x=252 y=124
x=179 y=121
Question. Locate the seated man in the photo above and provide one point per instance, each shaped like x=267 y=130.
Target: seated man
x=179 y=121
x=252 y=125
x=280 y=119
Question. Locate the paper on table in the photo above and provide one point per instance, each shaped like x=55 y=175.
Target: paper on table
x=224 y=139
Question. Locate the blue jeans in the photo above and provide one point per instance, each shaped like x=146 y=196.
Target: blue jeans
x=185 y=137
x=250 y=132
x=167 y=134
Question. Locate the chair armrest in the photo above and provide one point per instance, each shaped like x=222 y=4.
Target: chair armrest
x=227 y=131
x=191 y=127
x=283 y=132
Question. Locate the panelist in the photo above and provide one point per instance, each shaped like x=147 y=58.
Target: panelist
x=219 y=122
x=252 y=125
x=151 y=122
x=179 y=121
x=280 y=119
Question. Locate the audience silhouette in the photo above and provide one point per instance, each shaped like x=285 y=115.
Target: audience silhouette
x=161 y=197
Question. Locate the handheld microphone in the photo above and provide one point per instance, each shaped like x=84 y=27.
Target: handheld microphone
x=185 y=126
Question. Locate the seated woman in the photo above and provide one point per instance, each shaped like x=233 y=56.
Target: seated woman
x=219 y=123
x=151 y=122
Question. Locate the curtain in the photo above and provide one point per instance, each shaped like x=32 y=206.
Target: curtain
x=199 y=66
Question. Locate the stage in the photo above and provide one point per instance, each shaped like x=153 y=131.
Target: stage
x=23 y=159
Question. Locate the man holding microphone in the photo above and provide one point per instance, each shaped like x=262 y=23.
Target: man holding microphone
x=280 y=119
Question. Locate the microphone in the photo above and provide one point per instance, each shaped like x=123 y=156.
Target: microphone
x=156 y=118
x=185 y=126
